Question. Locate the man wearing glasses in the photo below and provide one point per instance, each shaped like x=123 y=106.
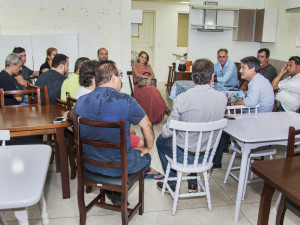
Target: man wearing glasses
x=225 y=70
x=288 y=95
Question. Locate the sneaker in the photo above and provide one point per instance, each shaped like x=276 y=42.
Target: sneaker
x=160 y=184
x=192 y=187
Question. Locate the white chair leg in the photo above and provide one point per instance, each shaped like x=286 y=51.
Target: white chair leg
x=230 y=166
x=246 y=179
x=43 y=209
x=277 y=202
x=207 y=190
x=166 y=179
x=179 y=177
x=2 y=220
x=198 y=182
x=22 y=217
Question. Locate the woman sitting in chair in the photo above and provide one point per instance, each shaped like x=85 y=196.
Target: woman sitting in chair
x=148 y=96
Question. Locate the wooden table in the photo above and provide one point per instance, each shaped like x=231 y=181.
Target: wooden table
x=281 y=174
x=182 y=76
x=34 y=120
x=252 y=131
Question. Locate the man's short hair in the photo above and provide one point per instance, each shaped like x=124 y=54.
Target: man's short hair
x=203 y=70
x=105 y=72
x=87 y=72
x=59 y=59
x=18 y=50
x=101 y=49
x=266 y=50
x=296 y=59
x=223 y=49
x=79 y=63
x=12 y=58
x=252 y=62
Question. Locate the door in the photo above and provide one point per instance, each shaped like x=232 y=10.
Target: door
x=145 y=40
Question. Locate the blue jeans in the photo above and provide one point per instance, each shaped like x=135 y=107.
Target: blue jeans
x=223 y=144
x=142 y=162
x=164 y=147
x=280 y=108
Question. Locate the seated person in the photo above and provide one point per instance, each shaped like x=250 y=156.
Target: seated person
x=259 y=92
x=51 y=52
x=148 y=97
x=199 y=104
x=54 y=78
x=72 y=83
x=266 y=69
x=288 y=95
x=13 y=65
x=106 y=103
x=225 y=70
x=23 y=76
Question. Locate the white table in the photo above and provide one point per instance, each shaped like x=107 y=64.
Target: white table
x=251 y=131
x=23 y=170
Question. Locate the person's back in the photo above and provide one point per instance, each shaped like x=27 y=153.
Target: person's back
x=53 y=80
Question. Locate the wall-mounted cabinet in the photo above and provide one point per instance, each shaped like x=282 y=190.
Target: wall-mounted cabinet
x=244 y=21
x=266 y=25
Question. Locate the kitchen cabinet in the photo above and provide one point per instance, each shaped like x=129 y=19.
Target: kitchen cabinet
x=244 y=25
x=266 y=25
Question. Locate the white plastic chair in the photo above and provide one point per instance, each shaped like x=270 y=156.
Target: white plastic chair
x=214 y=131
x=20 y=204
x=237 y=149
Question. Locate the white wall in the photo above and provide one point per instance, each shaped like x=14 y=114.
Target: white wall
x=98 y=23
x=165 y=34
x=288 y=29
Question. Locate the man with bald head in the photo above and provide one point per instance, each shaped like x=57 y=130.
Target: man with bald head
x=102 y=54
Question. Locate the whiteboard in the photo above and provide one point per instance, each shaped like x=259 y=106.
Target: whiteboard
x=36 y=47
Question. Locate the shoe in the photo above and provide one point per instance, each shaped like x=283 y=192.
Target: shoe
x=192 y=187
x=226 y=151
x=216 y=167
x=160 y=184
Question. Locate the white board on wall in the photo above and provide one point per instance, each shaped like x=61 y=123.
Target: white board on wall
x=36 y=47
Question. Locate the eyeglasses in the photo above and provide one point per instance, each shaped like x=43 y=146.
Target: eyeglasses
x=121 y=75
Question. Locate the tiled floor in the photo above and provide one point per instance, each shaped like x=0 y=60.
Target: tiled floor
x=157 y=207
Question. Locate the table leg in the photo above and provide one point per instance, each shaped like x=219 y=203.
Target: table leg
x=245 y=155
x=265 y=204
x=21 y=216
x=63 y=155
x=43 y=210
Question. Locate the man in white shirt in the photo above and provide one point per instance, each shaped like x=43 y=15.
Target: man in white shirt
x=288 y=95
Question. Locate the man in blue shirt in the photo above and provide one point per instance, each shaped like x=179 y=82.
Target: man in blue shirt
x=106 y=103
x=260 y=90
x=225 y=70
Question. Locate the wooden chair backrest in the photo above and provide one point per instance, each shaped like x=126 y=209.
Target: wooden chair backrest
x=130 y=79
x=70 y=101
x=77 y=121
x=290 y=151
x=32 y=98
x=63 y=105
x=20 y=92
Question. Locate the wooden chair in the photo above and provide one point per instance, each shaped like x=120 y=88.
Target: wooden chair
x=119 y=184
x=286 y=203
x=214 y=131
x=71 y=146
x=130 y=79
x=44 y=91
x=170 y=78
x=20 y=92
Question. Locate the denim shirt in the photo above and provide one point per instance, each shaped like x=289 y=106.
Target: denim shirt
x=228 y=74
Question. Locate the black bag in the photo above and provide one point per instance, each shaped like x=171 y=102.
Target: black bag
x=143 y=81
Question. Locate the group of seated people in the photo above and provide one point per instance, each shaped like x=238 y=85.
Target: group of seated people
x=97 y=85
